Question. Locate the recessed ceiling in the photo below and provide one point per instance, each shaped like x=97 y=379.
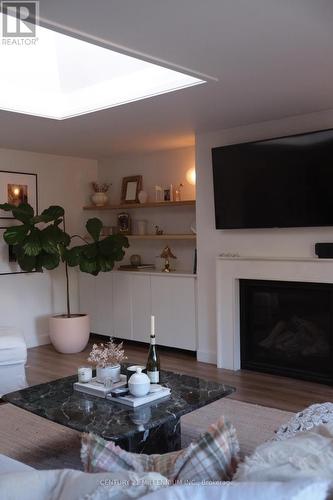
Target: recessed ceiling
x=70 y=77
x=272 y=59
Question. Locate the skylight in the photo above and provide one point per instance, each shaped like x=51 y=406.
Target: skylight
x=59 y=77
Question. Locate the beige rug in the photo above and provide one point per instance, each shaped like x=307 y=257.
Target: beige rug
x=45 y=445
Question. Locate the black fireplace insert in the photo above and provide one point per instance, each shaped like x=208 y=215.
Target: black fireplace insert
x=286 y=328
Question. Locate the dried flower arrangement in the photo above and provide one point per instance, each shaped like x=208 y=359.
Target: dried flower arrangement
x=109 y=354
x=100 y=188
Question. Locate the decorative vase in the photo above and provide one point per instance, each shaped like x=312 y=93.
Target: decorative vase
x=143 y=196
x=108 y=373
x=69 y=335
x=99 y=199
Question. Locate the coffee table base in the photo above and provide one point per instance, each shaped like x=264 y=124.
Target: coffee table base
x=161 y=439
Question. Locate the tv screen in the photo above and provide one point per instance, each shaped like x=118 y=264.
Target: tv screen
x=285 y=182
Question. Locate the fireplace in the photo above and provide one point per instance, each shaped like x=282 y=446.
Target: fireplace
x=286 y=328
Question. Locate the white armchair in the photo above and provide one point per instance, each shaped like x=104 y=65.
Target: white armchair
x=13 y=357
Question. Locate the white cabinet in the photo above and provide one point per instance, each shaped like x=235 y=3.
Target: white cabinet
x=121 y=303
x=173 y=303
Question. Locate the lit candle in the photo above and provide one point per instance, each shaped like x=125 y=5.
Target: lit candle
x=152 y=325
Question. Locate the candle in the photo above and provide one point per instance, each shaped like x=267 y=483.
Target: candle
x=84 y=374
x=152 y=325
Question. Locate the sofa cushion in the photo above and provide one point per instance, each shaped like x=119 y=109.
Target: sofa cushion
x=10 y=465
x=214 y=456
x=13 y=348
x=306 y=455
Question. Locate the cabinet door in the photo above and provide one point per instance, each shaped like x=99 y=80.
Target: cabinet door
x=122 y=305
x=103 y=320
x=174 y=305
x=141 y=307
x=87 y=298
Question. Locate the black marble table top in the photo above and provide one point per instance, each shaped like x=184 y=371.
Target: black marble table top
x=57 y=401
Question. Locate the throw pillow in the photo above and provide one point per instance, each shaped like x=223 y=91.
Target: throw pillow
x=308 y=455
x=306 y=420
x=213 y=457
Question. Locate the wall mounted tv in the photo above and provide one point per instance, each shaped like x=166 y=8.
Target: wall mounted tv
x=284 y=182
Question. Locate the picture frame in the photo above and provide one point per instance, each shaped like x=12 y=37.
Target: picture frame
x=131 y=186
x=16 y=188
x=8 y=262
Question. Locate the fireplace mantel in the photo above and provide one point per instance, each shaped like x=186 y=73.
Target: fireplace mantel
x=229 y=270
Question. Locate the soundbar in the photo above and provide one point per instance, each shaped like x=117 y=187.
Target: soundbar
x=324 y=250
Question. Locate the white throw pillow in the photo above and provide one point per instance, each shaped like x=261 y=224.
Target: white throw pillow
x=307 y=455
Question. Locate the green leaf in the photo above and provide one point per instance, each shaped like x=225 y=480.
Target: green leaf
x=90 y=251
x=72 y=256
x=88 y=266
x=105 y=264
x=24 y=213
x=49 y=261
x=7 y=207
x=32 y=244
x=26 y=262
x=94 y=227
x=53 y=213
x=52 y=237
x=15 y=235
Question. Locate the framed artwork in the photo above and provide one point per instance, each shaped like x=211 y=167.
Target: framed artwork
x=130 y=189
x=8 y=264
x=124 y=223
x=17 y=188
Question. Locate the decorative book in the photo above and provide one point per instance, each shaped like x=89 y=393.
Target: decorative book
x=134 y=402
x=95 y=388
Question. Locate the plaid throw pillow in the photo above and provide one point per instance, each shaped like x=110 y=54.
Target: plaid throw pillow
x=213 y=457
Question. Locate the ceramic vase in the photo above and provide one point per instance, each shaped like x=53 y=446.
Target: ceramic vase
x=108 y=373
x=99 y=199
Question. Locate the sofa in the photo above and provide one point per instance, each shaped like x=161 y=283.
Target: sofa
x=13 y=357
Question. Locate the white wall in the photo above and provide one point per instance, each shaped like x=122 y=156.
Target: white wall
x=266 y=242
x=26 y=300
x=162 y=168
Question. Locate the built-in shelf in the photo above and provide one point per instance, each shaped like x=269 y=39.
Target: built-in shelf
x=154 y=204
x=161 y=236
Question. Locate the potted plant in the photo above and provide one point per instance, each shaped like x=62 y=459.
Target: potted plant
x=107 y=358
x=41 y=242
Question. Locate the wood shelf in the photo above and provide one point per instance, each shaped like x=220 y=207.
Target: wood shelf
x=161 y=236
x=127 y=206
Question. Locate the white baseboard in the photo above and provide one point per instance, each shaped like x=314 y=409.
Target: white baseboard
x=207 y=357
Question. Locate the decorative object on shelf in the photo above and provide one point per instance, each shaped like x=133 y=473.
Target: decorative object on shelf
x=124 y=223
x=141 y=226
x=135 y=260
x=171 y=193
x=143 y=196
x=18 y=188
x=100 y=198
x=193 y=227
x=191 y=176
x=131 y=187
x=167 y=255
x=158 y=193
x=107 y=359
x=158 y=230
x=167 y=195
x=46 y=247
x=139 y=384
x=107 y=231
x=84 y=374
x=178 y=192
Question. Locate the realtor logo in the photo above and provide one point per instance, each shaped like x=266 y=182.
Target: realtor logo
x=19 y=19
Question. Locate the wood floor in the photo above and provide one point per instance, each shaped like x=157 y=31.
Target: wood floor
x=44 y=364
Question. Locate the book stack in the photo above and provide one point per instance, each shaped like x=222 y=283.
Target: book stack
x=95 y=388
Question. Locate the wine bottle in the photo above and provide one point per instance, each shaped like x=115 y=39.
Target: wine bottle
x=153 y=362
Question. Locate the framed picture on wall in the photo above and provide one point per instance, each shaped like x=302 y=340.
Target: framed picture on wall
x=130 y=189
x=8 y=263
x=17 y=188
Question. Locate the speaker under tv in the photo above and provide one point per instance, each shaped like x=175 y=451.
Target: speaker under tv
x=282 y=182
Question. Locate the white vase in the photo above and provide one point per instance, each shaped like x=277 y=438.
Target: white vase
x=99 y=199
x=69 y=335
x=143 y=197
x=108 y=373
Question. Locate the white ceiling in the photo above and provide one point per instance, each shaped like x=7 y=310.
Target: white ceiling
x=272 y=58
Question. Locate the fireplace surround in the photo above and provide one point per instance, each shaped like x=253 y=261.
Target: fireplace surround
x=229 y=273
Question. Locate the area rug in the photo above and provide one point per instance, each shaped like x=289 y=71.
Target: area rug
x=42 y=444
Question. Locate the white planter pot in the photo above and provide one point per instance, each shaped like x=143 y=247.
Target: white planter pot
x=69 y=335
x=107 y=373
x=99 y=199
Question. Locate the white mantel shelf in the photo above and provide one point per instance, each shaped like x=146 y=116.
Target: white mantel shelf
x=231 y=269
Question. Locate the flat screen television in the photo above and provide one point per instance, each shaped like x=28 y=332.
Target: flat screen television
x=283 y=182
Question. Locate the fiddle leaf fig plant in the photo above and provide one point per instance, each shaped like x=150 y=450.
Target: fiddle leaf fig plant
x=41 y=242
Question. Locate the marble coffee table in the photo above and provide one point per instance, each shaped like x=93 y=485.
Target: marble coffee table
x=153 y=428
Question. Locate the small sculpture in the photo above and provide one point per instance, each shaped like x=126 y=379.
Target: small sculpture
x=178 y=192
x=158 y=230
x=167 y=255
